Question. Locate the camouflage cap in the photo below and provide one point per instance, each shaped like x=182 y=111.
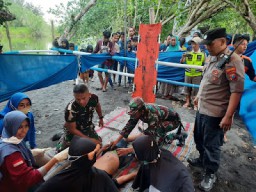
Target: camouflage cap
x=135 y=104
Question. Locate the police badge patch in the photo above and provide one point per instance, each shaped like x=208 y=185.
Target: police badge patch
x=231 y=74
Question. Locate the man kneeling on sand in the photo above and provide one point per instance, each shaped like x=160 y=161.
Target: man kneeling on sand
x=78 y=116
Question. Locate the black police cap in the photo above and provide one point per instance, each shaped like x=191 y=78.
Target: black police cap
x=239 y=37
x=213 y=34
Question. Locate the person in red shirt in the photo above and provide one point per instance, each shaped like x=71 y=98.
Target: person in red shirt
x=105 y=46
x=17 y=172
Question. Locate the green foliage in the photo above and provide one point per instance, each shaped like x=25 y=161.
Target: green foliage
x=29 y=30
x=109 y=15
x=22 y=40
x=229 y=19
x=29 y=16
x=5 y=14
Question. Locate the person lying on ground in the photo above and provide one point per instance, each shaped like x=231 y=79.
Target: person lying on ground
x=79 y=115
x=85 y=173
x=20 y=101
x=160 y=170
x=110 y=161
x=160 y=120
x=17 y=172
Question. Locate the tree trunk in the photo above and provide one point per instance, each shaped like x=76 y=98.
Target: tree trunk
x=8 y=35
x=76 y=19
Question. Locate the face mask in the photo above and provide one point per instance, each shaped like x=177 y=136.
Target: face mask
x=25 y=110
x=13 y=140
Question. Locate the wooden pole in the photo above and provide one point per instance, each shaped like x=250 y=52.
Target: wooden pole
x=125 y=38
x=52 y=29
x=151 y=15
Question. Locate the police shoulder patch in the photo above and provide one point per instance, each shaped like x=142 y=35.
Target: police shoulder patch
x=230 y=70
x=231 y=73
x=233 y=77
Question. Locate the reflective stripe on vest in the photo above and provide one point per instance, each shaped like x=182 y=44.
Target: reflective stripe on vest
x=194 y=59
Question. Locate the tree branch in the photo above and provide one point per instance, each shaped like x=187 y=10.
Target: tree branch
x=211 y=11
x=198 y=6
x=171 y=17
x=231 y=4
x=158 y=7
x=76 y=19
x=246 y=13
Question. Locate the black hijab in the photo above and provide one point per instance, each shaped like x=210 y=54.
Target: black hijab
x=81 y=176
x=159 y=168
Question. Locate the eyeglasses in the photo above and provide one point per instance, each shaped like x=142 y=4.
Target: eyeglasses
x=90 y=155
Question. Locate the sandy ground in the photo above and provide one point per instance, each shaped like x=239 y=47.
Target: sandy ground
x=237 y=172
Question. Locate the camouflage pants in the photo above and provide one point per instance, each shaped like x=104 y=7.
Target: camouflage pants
x=160 y=131
x=66 y=138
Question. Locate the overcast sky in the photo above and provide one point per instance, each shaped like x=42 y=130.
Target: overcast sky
x=45 y=5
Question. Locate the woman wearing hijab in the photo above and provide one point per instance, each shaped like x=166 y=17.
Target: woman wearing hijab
x=167 y=89
x=16 y=161
x=160 y=170
x=20 y=101
x=81 y=176
x=174 y=44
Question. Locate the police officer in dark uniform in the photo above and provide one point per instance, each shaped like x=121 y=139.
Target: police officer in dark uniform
x=218 y=97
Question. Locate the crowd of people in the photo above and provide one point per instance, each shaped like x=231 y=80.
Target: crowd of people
x=92 y=166
x=195 y=54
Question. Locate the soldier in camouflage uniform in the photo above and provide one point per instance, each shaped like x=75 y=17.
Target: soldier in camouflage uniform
x=78 y=116
x=160 y=120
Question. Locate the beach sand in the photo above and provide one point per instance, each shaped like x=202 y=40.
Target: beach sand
x=237 y=172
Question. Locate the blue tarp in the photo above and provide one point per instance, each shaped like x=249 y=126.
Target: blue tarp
x=29 y=72
x=248 y=102
x=165 y=72
x=250 y=49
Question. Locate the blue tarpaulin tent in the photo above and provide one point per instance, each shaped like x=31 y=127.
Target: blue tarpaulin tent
x=248 y=102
